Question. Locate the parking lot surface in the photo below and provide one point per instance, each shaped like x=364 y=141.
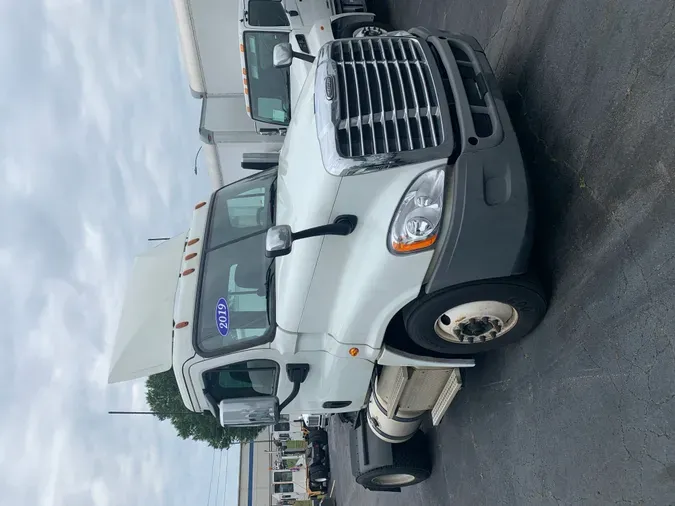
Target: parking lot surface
x=583 y=410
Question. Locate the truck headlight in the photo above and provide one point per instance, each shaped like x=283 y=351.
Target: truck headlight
x=418 y=217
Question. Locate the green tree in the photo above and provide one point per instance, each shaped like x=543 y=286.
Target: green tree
x=164 y=399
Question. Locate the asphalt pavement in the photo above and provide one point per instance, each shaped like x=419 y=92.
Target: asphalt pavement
x=582 y=412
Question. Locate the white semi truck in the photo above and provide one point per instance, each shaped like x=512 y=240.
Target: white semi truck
x=389 y=245
x=210 y=43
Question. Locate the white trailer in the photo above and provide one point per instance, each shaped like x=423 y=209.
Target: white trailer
x=225 y=129
x=390 y=244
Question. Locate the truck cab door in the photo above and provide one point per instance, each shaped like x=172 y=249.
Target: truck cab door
x=306 y=13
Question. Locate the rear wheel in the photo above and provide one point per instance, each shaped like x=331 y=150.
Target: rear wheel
x=411 y=465
x=349 y=417
x=476 y=317
x=318 y=436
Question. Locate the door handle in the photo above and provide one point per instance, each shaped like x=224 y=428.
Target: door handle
x=293 y=13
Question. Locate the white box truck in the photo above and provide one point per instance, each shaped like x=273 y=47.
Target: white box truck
x=390 y=244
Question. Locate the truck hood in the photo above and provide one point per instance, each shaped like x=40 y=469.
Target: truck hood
x=144 y=340
x=299 y=72
x=305 y=197
x=316 y=36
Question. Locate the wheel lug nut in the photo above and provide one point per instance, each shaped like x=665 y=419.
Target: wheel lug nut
x=445 y=319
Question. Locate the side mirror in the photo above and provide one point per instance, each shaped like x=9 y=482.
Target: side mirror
x=249 y=411
x=279 y=241
x=283 y=55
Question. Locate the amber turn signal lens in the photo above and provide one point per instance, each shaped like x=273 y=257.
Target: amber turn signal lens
x=181 y=325
x=200 y=205
x=353 y=351
x=188 y=272
x=190 y=256
x=193 y=241
x=414 y=246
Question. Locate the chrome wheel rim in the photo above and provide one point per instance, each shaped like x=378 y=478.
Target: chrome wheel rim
x=368 y=31
x=476 y=322
x=394 y=480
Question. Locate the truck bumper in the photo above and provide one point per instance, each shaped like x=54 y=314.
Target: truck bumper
x=487 y=224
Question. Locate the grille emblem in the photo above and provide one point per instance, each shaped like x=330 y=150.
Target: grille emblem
x=330 y=87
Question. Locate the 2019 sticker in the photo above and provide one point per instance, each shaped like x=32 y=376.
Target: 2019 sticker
x=222 y=317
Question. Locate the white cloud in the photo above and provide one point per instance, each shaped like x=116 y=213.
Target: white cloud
x=96 y=140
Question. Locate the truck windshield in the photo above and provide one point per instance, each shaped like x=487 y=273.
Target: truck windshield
x=233 y=311
x=267 y=13
x=268 y=87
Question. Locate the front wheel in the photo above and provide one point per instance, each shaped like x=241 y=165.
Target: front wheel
x=476 y=317
x=365 y=29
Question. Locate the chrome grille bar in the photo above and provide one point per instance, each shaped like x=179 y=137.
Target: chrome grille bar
x=391 y=83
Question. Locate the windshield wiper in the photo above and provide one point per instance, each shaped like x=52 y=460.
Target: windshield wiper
x=272 y=200
x=269 y=275
x=269 y=296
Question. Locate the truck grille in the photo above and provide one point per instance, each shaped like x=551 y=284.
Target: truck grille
x=388 y=102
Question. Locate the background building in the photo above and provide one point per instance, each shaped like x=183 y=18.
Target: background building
x=254 y=472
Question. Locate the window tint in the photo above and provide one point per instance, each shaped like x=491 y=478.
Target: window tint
x=282 y=426
x=268 y=87
x=281 y=476
x=236 y=274
x=284 y=488
x=267 y=13
x=240 y=214
x=252 y=378
x=233 y=306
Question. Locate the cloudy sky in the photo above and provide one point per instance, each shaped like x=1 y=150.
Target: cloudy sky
x=97 y=140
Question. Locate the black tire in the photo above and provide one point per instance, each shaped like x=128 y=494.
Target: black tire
x=319 y=473
x=316 y=487
x=349 y=418
x=524 y=293
x=411 y=458
x=318 y=436
x=348 y=31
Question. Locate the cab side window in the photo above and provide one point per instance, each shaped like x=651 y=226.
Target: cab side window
x=251 y=378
